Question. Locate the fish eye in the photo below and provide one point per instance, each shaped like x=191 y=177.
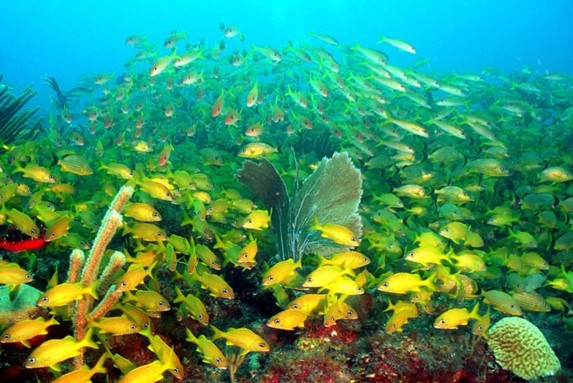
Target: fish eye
x=262 y=345
x=52 y=235
x=270 y=278
x=277 y=321
x=385 y=284
x=245 y=255
x=155 y=215
x=28 y=276
x=161 y=303
x=33 y=231
x=6 y=336
x=442 y=322
x=218 y=360
x=410 y=255
x=350 y=312
x=123 y=284
x=295 y=306
x=309 y=280
x=479 y=328
x=132 y=327
x=45 y=299
x=31 y=360
x=200 y=316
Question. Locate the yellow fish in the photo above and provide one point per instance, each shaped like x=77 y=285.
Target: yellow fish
x=118 y=170
x=65 y=293
x=502 y=301
x=309 y=303
x=24 y=223
x=336 y=233
x=257 y=220
x=142 y=212
x=453 y=318
x=37 y=173
x=403 y=312
x=75 y=164
x=427 y=256
x=338 y=310
x=210 y=352
x=402 y=283
x=481 y=326
x=288 y=319
x=243 y=338
x=346 y=260
x=27 y=329
x=216 y=285
x=207 y=256
x=248 y=253
x=146 y=232
x=84 y=373
x=345 y=286
x=13 y=274
x=148 y=373
x=324 y=275
x=281 y=271
x=165 y=353
x=133 y=277
x=148 y=300
x=57 y=229
x=115 y=325
x=54 y=351
x=194 y=305
x=156 y=190
x=256 y=150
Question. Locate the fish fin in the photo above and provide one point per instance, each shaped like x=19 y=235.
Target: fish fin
x=218 y=333
x=26 y=343
x=87 y=340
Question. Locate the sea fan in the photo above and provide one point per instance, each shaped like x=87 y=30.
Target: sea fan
x=330 y=194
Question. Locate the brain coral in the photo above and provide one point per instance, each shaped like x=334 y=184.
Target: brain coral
x=519 y=346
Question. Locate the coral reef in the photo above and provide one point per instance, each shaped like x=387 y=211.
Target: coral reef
x=520 y=347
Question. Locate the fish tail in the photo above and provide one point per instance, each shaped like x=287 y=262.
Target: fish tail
x=179 y=295
x=87 y=340
x=92 y=289
x=99 y=367
x=218 y=333
x=191 y=337
x=475 y=312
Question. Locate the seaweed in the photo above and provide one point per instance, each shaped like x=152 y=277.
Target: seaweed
x=330 y=194
x=14 y=122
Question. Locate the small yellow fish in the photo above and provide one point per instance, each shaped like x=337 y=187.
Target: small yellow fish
x=502 y=301
x=148 y=373
x=27 y=329
x=309 y=303
x=54 y=351
x=115 y=325
x=336 y=233
x=37 y=173
x=148 y=300
x=288 y=319
x=208 y=257
x=402 y=45
x=453 y=318
x=338 y=310
x=248 y=253
x=345 y=286
x=481 y=326
x=256 y=150
x=75 y=164
x=165 y=353
x=347 y=260
x=402 y=283
x=118 y=170
x=281 y=271
x=193 y=305
x=156 y=190
x=57 y=229
x=133 y=277
x=324 y=275
x=84 y=373
x=257 y=220
x=65 y=293
x=216 y=285
x=146 y=232
x=210 y=352
x=243 y=338
x=24 y=223
x=13 y=274
x=142 y=212
x=403 y=312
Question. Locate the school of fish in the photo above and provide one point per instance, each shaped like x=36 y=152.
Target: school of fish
x=467 y=193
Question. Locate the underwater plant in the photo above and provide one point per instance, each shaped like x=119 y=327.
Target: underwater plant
x=330 y=194
x=13 y=121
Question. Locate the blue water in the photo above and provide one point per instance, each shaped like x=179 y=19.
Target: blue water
x=68 y=39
